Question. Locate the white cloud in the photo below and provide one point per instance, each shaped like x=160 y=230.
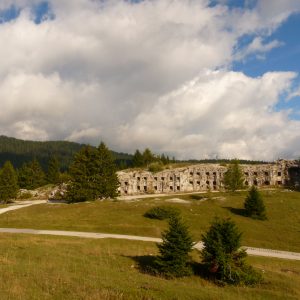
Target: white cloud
x=112 y=70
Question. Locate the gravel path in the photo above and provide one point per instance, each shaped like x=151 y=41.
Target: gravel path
x=21 y=204
x=198 y=246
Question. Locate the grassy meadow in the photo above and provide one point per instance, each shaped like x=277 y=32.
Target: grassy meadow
x=281 y=231
x=39 y=267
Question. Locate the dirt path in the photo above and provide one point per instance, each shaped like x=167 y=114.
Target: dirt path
x=93 y=235
x=21 y=204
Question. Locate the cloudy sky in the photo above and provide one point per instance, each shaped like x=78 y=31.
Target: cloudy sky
x=191 y=78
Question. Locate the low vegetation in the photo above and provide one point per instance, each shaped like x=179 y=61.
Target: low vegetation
x=161 y=212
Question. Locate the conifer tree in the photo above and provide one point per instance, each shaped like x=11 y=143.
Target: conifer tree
x=174 y=259
x=254 y=205
x=8 y=182
x=137 y=160
x=53 y=170
x=148 y=157
x=233 y=178
x=93 y=175
x=222 y=256
x=31 y=175
x=106 y=168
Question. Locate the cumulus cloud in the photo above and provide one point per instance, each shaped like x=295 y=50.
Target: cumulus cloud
x=148 y=74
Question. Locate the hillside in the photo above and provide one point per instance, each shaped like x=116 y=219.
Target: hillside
x=19 y=151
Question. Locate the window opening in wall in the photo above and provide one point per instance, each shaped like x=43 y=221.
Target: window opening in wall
x=207 y=173
x=255 y=182
x=145 y=188
x=155 y=187
x=191 y=173
x=178 y=178
x=214 y=183
x=255 y=173
x=171 y=188
x=139 y=188
x=198 y=182
x=279 y=174
x=207 y=182
x=267 y=182
x=214 y=173
x=266 y=173
x=138 y=178
x=246 y=183
x=155 y=178
x=246 y=174
x=171 y=178
x=126 y=192
x=163 y=178
x=145 y=178
x=279 y=182
x=126 y=183
x=178 y=188
x=191 y=182
x=198 y=173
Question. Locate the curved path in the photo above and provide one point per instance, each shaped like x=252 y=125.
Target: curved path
x=21 y=204
x=198 y=246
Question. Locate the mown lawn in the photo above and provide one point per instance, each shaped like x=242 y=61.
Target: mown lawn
x=40 y=267
x=281 y=230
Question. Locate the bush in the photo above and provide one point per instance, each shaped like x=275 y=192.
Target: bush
x=223 y=259
x=174 y=260
x=161 y=212
x=254 y=205
x=155 y=167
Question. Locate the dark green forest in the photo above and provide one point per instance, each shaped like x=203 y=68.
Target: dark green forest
x=20 y=151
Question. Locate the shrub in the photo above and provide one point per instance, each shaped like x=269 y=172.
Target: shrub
x=254 y=205
x=155 y=167
x=223 y=259
x=174 y=260
x=161 y=212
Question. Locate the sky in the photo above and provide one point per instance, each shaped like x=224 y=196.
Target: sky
x=189 y=78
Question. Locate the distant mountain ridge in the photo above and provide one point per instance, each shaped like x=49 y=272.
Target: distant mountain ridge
x=19 y=151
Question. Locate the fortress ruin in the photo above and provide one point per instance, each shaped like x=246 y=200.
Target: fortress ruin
x=205 y=177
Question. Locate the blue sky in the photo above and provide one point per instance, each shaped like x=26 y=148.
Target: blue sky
x=190 y=78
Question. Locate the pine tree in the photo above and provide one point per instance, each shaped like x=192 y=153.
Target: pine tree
x=8 y=182
x=148 y=157
x=106 y=167
x=254 y=205
x=93 y=175
x=85 y=179
x=233 y=178
x=174 y=259
x=53 y=170
x=137 y=160
x=31 y=175
x=222 y=256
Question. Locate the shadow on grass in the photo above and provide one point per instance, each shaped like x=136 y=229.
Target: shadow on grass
x=236 y=211
x=145 y=263
x=196 y=197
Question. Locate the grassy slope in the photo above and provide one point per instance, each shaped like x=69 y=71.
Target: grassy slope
x=69 y=268
x=280 y=231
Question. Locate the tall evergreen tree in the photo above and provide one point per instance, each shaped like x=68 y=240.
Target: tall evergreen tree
x=222 y=256
x=233 y=178
x=106 y=167
x=174 y=259
x=31 y=175
x=8 y=182
x=254 y=205
x=53 y=170
x=137 y=160
x=93 y=175
x=148 y=157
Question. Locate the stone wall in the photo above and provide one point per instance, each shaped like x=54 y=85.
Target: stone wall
x=201 y=177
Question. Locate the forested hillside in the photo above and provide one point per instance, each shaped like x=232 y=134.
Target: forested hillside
x=19 y=151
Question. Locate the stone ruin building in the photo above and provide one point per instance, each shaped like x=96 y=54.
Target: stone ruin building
x=205 y=177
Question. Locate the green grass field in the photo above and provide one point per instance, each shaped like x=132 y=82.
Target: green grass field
x=39 y=267
x=281 y=230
